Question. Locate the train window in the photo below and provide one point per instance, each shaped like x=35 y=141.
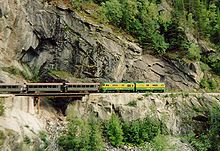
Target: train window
x=129 y=85
x=114 y=84
x=155 y=84
x=107 y=84
x=147 y=84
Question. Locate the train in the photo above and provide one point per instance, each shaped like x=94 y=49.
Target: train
x=105 y=87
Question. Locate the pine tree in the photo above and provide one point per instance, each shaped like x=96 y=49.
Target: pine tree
x=95 y=134
x=114 y=131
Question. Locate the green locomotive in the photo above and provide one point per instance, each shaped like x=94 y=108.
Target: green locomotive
x=132 y=87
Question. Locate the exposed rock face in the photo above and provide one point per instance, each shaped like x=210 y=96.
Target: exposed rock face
x=181 y=113
x=53 y=38
x=24 y=127
x=18 y=124
x=172 y=109
x=19 y=111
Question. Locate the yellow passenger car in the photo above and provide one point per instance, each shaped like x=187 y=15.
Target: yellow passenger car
x=159 y=87
x=117 y=87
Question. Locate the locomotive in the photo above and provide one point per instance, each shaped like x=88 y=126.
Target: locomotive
x=104 y=87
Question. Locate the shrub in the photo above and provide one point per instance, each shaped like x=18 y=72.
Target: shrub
x=77 y=136
x=114 y=131
x=201 y=144
x=95 y=134
x=209 y=84
x=140 y=18
x=140 y=131
x=208 y=137
x=2 y=137
x=82 y=134
x=2 y=109
x=132 y=103
x=113 y=11
x=12 y=70
x=194 y=52
x=160 y=143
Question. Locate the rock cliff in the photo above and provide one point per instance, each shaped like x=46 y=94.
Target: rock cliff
x=170 y=108
x=48 y=37
x=182 y=113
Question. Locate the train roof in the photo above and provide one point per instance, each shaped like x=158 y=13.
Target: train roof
x=150 y=82
x=44 y=83
x=82 y=83
x=10 y=84
x=117 y=82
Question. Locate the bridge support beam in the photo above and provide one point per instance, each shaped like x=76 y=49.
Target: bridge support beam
x=37 y=101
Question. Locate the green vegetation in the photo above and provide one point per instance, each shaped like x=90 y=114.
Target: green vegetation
x=194 y=52
x=114 y=131
x=2 y=138
x=209 y=84
x=2 y=109
x=139 y=131
x=65 y=75
x=161 y=143
x=147 y=94
x=206 y=138
x=59 y=73
x=179 y=33
x=12 y=70
x=27 y=73
x=141 y=19
x=43 y=136
x=82 y=134
x=89 y=133
x=132 y=103
x=27 y=140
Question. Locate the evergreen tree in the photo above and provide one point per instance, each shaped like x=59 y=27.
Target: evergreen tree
x=114 y=131
x=95 y=135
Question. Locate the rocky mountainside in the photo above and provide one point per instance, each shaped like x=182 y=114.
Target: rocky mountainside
x=170 y=108
x=23 y=127
x=40 y=37
x=46 y=37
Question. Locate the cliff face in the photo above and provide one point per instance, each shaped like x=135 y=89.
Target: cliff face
x=48 y=37
x=180 y=112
